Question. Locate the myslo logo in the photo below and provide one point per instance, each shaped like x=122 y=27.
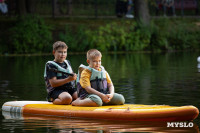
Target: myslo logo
x=180 y=124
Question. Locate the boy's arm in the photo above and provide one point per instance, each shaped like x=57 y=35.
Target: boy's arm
x=110 y=86
x=85 y=83
x=59 y=82
x=54 y=82
x=111 y=89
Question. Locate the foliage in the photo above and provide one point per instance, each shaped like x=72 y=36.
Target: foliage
x=76 y=39
x=184 y=37
x=175 y=35
x=159 y=35
x=164 y=35
x=32 y=35
x=29 y=35
x=109 y=37
x=126 y=37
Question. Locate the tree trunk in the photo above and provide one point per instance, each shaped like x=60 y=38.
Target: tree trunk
x=21 y=7
x=30 y=6
x=142 y=11
x=56 y=10
x=69 y=7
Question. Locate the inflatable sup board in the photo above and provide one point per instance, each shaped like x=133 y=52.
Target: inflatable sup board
x=131 y=112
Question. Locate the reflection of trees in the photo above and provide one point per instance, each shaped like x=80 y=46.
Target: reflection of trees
x=153 y=78
x=125 y=72
x=25 y=74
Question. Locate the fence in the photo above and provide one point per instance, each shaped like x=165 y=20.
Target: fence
x=89 y=8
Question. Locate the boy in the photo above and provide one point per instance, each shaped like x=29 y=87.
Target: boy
x=60 y=86
x=95 y=87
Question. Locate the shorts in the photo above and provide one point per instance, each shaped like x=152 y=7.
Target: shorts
x=56 y=92
x=117 y=99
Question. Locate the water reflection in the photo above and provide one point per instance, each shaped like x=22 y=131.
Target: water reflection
x=143 y=78
x=198 y=66
x=61 y=124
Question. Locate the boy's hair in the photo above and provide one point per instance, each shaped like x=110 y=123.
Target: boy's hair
x=59 y=44
x=93 y=53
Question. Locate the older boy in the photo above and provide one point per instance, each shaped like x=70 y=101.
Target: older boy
x=60 y=86
x=95 y=87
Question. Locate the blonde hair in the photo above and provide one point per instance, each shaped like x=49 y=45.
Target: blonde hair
x=92 y=53
x=59 y=44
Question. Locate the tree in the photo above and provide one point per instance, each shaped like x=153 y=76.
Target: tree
x=25 y=6
x=55 y=8
x=30 y=6
x=142 y=11
x=21 y=7
x=69 y=7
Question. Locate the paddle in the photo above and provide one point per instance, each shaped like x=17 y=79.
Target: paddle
x=55 y=70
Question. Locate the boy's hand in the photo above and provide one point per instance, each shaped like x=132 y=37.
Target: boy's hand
x=71 y=78
x=110 y=96
x=105 y=98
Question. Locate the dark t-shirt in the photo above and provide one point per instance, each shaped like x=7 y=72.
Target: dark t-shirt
x=51 y=74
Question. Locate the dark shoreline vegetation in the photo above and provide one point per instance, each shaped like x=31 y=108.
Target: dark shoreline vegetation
x=33 y=35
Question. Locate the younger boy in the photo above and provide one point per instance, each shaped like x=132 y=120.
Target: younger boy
x=95 y=87
x=60 y=86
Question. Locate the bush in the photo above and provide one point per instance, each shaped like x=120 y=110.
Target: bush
x=174 y=35
x=75 y=38
x=30 y=35
x=184 y=36
x=125 y=36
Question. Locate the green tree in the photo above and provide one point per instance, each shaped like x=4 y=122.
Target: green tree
x=142 y=11
x=25 y=6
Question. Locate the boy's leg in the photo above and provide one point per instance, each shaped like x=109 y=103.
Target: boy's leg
x=117 y=99
x=75 y=96
x=85 y=102
x=164 y=10
x=63 y=98
x=173 y=10
x=91 y=101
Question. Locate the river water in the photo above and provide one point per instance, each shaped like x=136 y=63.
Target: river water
x=143 y=78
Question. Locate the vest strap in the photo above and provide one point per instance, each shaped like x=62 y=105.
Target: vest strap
x=68 y=70
x=95 y=73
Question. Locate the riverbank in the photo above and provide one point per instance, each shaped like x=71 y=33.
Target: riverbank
x=35 y=35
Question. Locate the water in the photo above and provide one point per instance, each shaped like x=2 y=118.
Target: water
x=143 y=78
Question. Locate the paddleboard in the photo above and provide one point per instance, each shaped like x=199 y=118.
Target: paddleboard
x=131 y=112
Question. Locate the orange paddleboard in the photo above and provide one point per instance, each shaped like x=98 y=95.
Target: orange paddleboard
x=131 y=112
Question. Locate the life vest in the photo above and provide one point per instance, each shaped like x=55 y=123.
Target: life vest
x=98 y=81
x=59 y=75
x=59 y=68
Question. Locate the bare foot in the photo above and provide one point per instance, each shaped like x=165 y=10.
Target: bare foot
x=75 y=102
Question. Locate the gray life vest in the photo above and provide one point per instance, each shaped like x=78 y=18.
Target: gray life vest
x=59 y=68
x=98 y=81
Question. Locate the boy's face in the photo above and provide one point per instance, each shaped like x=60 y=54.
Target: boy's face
x=60 y=55
x=95 y=62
